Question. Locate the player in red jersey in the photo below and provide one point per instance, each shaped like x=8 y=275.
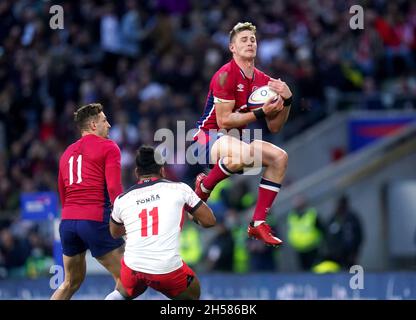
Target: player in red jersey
x=89 y=181
x=226 y=108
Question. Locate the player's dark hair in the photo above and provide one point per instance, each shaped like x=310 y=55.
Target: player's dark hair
x=241 y=26
x=84 y=114
x=148 y=161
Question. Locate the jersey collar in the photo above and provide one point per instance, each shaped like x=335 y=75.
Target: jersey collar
x=147 y=180
x=242 y=72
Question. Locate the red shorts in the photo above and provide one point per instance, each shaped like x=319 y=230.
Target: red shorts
x=170 y=284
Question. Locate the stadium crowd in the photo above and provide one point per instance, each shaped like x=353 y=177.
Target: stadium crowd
x=149 y=63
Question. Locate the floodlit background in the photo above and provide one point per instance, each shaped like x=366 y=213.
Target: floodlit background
x=351 y=137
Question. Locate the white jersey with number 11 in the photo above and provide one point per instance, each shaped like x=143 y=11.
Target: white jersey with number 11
x=153 y=213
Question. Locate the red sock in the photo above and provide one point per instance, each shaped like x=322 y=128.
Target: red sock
x=268 y=191
x=217 y=174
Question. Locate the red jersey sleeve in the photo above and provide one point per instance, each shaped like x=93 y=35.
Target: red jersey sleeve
x=223 y=86
x=113 y=171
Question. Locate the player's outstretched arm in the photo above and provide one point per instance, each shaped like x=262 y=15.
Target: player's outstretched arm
x=204 y=216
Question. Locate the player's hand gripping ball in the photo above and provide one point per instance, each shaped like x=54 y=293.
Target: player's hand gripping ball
x=259 y=96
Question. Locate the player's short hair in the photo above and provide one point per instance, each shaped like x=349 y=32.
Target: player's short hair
x=85 y=113
x=148 y=161
x=241 y=26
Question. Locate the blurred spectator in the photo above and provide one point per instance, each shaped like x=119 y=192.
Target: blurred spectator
x=130 y=30
x=161 y=30
x=262 y=258
x=228 y=249
x=371 y=99
x=305 y=232
x=344 y=234
x=310 y=90
x=14 y=253
x=220 y=252
x=397 y=35
x=110 y=35
x=110 y=38
x=191 y=245
x=237 y=224
x=123 y=132
x=40 y=259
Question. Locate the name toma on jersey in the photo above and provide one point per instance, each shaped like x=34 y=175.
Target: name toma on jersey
x=150 y=198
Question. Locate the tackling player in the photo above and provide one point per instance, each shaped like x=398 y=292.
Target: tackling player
x=151 y=214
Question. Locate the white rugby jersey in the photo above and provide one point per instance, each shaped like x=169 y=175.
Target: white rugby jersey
x=153 y=213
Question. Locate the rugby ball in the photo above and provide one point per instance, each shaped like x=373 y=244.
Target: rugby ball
x=259 y=96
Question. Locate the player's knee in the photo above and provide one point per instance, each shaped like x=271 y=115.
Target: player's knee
x=280 y=158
